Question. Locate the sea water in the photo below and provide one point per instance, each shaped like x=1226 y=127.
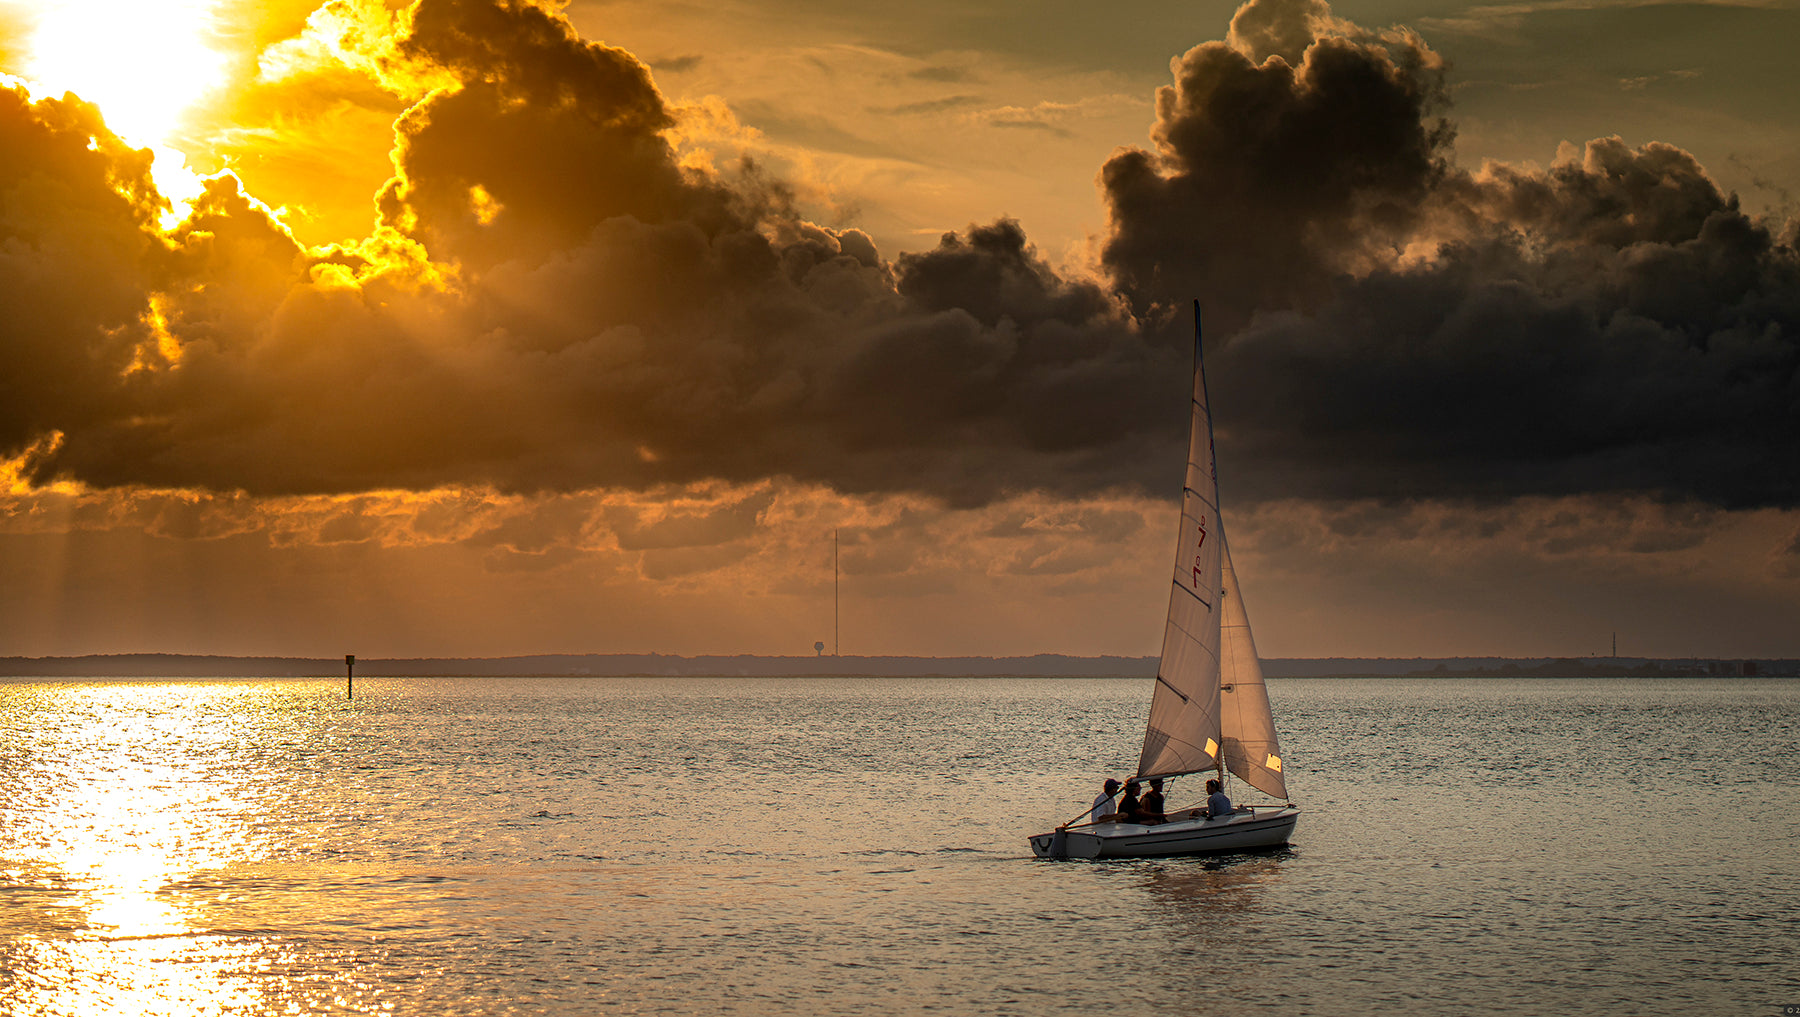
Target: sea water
x=857 y=846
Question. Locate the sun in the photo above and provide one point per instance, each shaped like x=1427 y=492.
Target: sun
x=143 y=62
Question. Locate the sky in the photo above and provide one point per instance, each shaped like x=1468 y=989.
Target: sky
x=465 y=328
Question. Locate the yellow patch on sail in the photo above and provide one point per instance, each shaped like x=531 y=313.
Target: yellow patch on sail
x=1273 y=763
x=1212 y=748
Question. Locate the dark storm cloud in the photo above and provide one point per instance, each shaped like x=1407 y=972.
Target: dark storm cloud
x=1652 y=367
x=77 y=254
x=593 y=312
x=1394 y=326
x=1275 y=173
x=560 y=133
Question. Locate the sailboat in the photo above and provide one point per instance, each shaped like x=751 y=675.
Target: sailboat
x=1209 y=710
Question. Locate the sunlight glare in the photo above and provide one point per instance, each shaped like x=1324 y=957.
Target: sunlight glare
x=129 y=804
x=176 y=182
x=143 y=62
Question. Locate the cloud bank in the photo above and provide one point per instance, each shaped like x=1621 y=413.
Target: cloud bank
x=555 y=298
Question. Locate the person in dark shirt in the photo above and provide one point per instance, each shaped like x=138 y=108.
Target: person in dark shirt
x=1130 y=809
x=1150 y=808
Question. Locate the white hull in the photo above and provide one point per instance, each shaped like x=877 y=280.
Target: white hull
x=1238 y=832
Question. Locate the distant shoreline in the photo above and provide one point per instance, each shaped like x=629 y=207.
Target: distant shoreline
x=1049 y=665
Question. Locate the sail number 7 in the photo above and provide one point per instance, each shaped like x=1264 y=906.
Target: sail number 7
x=1197 y=546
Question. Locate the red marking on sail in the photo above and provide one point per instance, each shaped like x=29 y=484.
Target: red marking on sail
x=1197 y=547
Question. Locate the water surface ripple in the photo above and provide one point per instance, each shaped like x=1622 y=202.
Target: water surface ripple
x=749 y=846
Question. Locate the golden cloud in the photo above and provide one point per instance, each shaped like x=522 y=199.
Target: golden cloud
x=571 y=284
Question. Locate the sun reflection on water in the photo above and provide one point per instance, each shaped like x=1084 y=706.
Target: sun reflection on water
x=112 y=806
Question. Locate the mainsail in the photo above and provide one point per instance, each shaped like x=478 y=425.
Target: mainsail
x=1183 y=734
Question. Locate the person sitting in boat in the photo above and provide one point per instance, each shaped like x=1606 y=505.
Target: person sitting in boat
x=1150 y=808
x=1131 y=810
x=1216 y=803
x=1103 y=809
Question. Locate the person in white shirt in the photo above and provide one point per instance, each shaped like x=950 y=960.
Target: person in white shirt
x=1103 y=804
